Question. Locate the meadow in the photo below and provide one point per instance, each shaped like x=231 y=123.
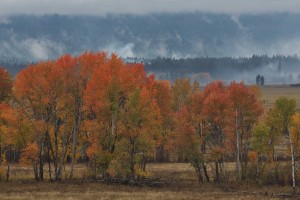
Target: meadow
x=272 y=92
x=180 y=183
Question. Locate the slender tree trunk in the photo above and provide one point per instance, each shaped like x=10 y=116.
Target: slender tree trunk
x=41 y=160
x=41 y=169
x=35 y=171
x=293 y=160
x=55 y=160
x=197 y=167
x=246 y=156
x=73 y=153
x=217 y=172
x=238 y=163
x=49 y=164
x=132 y=162
x=144 y=163
x=65 y=145
x=0 y=153
x=77 y=122
x=95 y=161
x=7 y=173
x=132 y=173
x=205 y=172
x=203 y=151
x=257 y=172
x=77 y=118
x=113 y=133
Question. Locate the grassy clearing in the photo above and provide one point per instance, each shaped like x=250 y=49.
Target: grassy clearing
x=101 y=191
x=271 y=93
x=182 y=184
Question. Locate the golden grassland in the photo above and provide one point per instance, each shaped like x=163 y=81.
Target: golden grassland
x=272 y=92
x=180 y=178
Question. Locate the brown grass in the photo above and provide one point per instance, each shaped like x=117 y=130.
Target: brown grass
x=271 y=93
x=101 y=191
x=182 y=184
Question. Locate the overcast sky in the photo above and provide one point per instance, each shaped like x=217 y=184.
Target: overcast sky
x=101 y=7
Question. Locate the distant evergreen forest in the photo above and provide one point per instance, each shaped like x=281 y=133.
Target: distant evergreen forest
x=277 y=69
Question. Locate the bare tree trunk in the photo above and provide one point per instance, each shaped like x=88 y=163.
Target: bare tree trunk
x=73 y=153
x=217 y=172
x=41 y=160
x=238 y=163
x=205 y=172
x=113 y=133
x=132 y=159
x=293 y=160
x=197 y=167
x=257 y=171
x=49 y=164
x=35 y=171
x=7 y=173
x=77 y=122
x=65 y=145
x=0 y=152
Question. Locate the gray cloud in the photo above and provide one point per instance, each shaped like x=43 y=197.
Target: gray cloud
x=102 y=7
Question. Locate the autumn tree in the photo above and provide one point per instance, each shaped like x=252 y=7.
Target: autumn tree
x=261 y=148
x=295 y=132
x=6 y=139
x=30 y=156
x=274 y=123
x=248 y=108
x=141 y=122
x=190 y=137
x=120 y=107
x=5 y=96
x=218 y=124
x=285 y=108
x=50 y=94
x=38 y=89
x=76 y=72
x=163 y=97
x=180 y=89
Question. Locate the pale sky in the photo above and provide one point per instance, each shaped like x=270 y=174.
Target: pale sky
x=102 y=7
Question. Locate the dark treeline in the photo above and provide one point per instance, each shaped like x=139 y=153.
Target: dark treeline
x=223 y=67
x=276 y=69
x=12 y=64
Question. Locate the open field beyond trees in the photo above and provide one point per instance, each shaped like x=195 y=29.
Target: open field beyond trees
x=273 y=92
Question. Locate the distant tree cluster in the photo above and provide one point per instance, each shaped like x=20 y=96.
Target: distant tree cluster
x=260 y=80
x=219 y=67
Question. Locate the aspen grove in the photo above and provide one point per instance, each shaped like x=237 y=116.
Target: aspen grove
x=113 y=116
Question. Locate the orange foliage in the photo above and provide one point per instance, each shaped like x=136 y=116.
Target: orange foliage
x=253 y=157
x=218 y=113
x=29 y=154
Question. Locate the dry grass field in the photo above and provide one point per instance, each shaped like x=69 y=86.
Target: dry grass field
x=180 y=181
x=271 y=93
